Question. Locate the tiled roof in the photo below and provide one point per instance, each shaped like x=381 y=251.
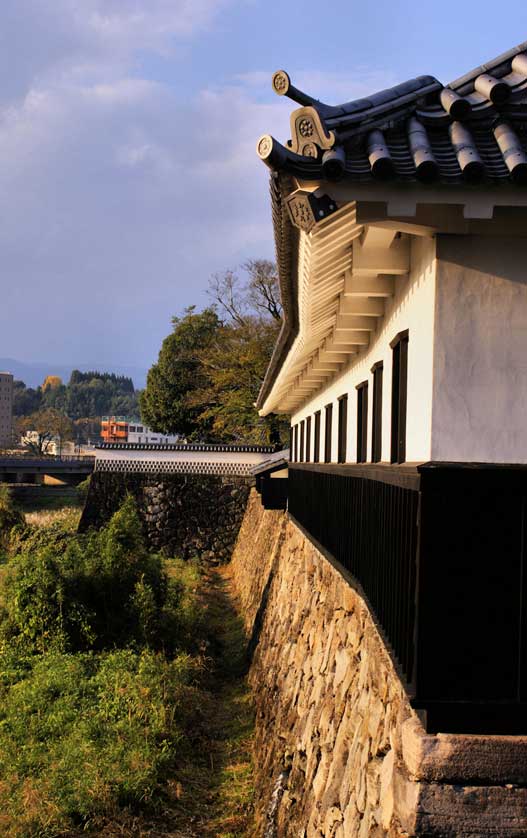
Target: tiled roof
x=276 y=462
x=186 y=447
x=473 y=129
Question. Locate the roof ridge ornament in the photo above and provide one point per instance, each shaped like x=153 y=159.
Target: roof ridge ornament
x=308 y=133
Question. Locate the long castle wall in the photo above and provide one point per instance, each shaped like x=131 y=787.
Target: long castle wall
x=182 y=514
x=339 y=751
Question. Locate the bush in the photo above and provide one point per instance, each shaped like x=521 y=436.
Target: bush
x=82 y=736
x=93 y=592
x=10 y=517
x=82 y=489
x=99 y=691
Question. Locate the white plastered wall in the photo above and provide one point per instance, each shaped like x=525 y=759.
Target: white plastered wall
x=480 y=367
x=412 y=308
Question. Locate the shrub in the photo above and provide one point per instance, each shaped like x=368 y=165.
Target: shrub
x=82 y=489
x=96 y=591
x=10 y=518
x=99 y=695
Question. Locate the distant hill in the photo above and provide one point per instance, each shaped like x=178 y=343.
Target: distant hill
x=33 y=373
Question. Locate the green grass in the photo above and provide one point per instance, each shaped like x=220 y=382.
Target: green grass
x=124 y=709
x=84 y=737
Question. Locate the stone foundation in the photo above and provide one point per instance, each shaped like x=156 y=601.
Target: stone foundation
x=339 y=751
x=183 y=514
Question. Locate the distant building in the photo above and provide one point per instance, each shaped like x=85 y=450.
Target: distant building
x=140 y=434
x=121 y=429
x=114 y=429
x=6 y=409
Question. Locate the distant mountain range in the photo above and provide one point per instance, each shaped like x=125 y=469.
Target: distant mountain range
x=33 y=373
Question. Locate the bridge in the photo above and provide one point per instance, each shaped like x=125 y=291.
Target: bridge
x=24 y=469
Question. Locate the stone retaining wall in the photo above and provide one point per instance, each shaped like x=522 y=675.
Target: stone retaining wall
x=339 y=751
x=183 y=514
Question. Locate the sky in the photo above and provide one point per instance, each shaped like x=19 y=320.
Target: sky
x=128 y=171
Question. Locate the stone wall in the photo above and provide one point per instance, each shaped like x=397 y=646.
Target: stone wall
x=339 y=751
x=182 y=514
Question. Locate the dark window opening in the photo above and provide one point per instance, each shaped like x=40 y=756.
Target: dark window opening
x=376 y=431
x=362 y=422
x=399 y=347
x=316 y=441
x=327 y=433
x=302 y=438
x=343 y=428
x=308 y=439
x=295 y=444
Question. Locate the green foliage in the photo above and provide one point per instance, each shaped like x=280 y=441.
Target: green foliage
x=210 y=370
x=78 y=593
x=235 y=365
x=82 y=489
x=10 y=518
x=82 y=736
x=166 y=404
x=99 y=675
x=87 y=395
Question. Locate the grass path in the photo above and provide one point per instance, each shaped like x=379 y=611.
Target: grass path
x=211 y=795
x=231 y=723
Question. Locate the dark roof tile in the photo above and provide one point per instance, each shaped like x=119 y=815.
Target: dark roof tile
x=418 y=130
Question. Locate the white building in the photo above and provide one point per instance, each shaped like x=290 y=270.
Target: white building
x=400 y=225
x=6 y=409
x=401 y=234
x=140 y=434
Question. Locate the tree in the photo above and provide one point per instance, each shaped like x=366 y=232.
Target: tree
x=41 y=428
x=26 y=400
x=166 y=403
x=87 y=395
x=243 y=299
x=51 y=382
x=210 y=370
x=235 y=363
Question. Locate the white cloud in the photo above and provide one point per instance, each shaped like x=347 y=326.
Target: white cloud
x=117 y=198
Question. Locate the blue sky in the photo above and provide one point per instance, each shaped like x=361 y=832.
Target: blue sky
x=127 y=132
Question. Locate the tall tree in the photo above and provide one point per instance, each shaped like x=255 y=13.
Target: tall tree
x=210 y=370
x=166 y=404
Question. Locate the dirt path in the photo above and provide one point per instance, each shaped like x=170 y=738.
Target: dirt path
x=211 y=796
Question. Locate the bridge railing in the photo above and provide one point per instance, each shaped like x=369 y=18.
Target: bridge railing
x=441 y=555
x=50 y=461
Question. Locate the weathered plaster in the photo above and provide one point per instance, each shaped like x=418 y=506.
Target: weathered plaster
x=480 y=353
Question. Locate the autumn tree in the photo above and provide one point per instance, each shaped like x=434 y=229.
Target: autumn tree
x=44 y=426
x=210 y=369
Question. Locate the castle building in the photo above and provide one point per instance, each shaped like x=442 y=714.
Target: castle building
x=400 y=223
x=6 y=409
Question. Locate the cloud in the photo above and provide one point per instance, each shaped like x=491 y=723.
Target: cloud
x=118 y=195
x=62 y=41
